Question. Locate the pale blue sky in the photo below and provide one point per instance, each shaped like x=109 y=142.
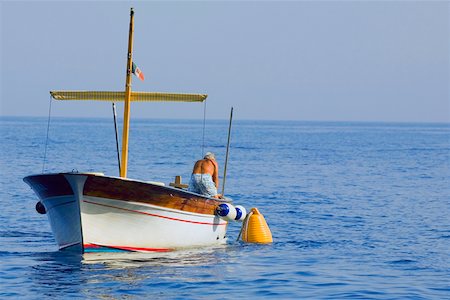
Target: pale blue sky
x=337 y=60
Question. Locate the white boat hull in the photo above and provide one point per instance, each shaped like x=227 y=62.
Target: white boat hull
x=91 y=211
x=146 y=227
x=64 y=216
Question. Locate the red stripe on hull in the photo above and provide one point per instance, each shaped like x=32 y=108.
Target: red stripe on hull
x=126 y=248
x=91 y=246
x=158 y=216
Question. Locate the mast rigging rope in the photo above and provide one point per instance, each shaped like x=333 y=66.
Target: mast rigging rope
x=48 y=128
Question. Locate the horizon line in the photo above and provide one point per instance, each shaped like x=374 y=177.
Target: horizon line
x=221 y=119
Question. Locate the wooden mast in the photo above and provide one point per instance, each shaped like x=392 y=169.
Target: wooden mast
x=126 y=112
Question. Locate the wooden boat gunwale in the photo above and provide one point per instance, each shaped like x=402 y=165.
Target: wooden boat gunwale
x=167 y=194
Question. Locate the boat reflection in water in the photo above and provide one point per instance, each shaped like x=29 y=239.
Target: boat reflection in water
x=180 y=258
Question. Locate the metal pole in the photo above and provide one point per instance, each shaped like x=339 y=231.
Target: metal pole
x=226 y=156
x=116 y=130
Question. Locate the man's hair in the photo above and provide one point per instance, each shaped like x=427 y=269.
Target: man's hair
x=209 y=155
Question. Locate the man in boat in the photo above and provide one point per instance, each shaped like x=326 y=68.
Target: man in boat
x=205 y=177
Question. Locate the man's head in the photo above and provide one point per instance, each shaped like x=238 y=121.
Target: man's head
x=210 y=155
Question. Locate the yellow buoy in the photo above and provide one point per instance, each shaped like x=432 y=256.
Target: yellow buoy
x=255 y=228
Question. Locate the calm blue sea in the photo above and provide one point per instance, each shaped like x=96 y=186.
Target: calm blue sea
x=357 y=210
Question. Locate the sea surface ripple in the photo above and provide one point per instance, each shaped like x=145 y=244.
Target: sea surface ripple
x=357 y=210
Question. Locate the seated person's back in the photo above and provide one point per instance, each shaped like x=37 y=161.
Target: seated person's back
x=204 y=166
x=205 y=178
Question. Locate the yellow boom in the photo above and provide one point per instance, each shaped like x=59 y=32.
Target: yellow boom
x=120 y=96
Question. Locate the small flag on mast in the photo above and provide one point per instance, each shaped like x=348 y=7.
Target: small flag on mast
x=136 y=71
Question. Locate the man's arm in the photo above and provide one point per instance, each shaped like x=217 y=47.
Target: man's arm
x=216 y=173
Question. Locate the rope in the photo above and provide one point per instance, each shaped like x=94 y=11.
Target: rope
x=48 y=129
x=204 y=125
x=117 y=137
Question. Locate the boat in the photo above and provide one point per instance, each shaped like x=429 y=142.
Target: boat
x=94 y=212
